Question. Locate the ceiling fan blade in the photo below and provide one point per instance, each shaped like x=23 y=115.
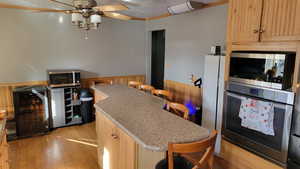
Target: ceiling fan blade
x=63 y=3
x=111 y=8
x=11 y=6
x=121 y=16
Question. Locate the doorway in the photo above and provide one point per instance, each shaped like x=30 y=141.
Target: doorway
x=158 y=59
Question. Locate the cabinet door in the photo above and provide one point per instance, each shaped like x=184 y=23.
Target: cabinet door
x=110 y=142
x=128 y=150
x=281 y=20
x=245 y=20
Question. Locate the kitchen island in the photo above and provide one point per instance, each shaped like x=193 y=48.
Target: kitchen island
x=132 y=126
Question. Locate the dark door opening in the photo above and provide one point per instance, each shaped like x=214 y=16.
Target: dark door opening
x=158 y=59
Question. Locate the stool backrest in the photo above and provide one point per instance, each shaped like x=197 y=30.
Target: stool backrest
x=179 y=109
x=189 y=150
x=134 y=84
x=147 y=88
x=162 y=93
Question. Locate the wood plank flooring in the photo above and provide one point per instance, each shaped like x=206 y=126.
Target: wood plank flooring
x=65 y=148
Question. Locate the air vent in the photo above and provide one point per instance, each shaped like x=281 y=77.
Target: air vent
x=185 y=7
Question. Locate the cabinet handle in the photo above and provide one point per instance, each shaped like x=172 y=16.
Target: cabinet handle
x=114 y=136
x=262 y=31
x=255 y=31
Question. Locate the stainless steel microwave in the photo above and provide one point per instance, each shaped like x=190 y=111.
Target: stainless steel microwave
x=63 y=78
x=265 y=69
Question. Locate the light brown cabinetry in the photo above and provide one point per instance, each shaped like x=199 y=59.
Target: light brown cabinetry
x=4 y=154
x=116 y=149
x=264 y=20
x=246 y=15
x=280 y=20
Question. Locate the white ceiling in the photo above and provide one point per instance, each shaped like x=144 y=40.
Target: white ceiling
x=137 y=8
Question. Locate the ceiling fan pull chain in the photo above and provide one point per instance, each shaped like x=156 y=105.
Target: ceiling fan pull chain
x=86 y=37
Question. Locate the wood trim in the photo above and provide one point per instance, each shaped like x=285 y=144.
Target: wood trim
x=159 y=17
x=266 y=46
x=18 y=84
x=296 y=77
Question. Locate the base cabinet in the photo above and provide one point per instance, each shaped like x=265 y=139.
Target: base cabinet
x=4 y=154
x=116 y=149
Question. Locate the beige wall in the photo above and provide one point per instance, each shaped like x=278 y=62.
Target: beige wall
x=188 y=39
x=30 y=43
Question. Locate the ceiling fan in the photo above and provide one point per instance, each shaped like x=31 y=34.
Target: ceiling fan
x=86 y=14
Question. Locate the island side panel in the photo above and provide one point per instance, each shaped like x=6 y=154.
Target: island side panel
x=148 y=159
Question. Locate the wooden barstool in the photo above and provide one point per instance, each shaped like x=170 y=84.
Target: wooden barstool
x=134 y=84
x=179 y=109
x=147 y=88
x=162 y=93
x=198 y=155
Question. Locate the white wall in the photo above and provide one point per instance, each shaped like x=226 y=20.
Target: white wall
x=188 y=39
x=30 y=43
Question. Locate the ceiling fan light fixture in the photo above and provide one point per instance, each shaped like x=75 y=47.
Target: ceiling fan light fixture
x=77 y=19
x=95 y=21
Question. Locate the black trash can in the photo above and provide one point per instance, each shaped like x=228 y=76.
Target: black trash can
x=86 y=98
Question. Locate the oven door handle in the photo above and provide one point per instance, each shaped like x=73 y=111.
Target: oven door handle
x=277 y=105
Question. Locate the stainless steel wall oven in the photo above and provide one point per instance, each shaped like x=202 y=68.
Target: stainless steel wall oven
x=264 y=78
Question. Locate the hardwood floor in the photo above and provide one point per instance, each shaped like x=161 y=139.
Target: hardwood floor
x=65 y=148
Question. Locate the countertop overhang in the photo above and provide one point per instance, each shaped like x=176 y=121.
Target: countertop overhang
x=142 y=117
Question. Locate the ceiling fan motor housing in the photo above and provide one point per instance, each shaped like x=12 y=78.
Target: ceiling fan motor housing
x=84 y=4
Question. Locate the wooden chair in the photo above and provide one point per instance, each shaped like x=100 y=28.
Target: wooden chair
x=162 y=93
x=3 y=114
x=147 y=88
x=196 y=155
x=134 y=84
x=179 y=109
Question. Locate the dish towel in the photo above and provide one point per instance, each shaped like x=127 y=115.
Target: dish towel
x=257 y=115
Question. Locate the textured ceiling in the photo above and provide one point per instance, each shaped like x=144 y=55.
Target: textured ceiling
x=137 y=8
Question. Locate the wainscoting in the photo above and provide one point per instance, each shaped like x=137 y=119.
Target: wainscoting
x=182 y=92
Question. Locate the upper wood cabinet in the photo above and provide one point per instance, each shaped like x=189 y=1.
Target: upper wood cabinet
x=265 y=20
x=246 y=15
x=280 y=20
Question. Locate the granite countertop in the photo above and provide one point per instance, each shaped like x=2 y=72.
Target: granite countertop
x=142 y=117
x=2 y=129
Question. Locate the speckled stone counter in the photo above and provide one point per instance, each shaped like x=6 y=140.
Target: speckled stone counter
x=141 y=116
x=2 y=129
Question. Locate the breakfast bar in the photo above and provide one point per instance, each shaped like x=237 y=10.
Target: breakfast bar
x=135 y=123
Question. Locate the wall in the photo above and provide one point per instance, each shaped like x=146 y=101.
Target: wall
x=30 y=43
x=188 y=39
